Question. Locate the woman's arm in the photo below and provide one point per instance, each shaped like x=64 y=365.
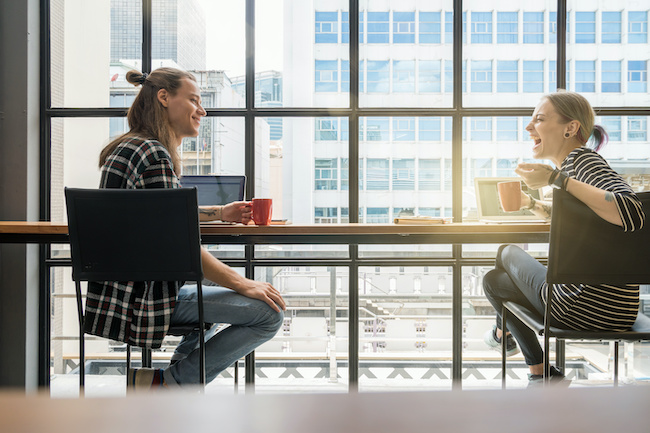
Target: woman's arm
x=602 y=202
x=215 y=270
x=541 y=208
x=237 y=212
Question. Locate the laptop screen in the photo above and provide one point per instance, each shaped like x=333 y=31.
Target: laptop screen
x=488 y=204
x=216 y=190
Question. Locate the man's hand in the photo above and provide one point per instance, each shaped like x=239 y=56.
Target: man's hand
x=264 y=292
x=237 y=212
x=535 y=176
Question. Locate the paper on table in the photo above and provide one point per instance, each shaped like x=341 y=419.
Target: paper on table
x=421 y=220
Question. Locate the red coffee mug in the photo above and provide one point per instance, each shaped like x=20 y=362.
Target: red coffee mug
x=510 y=195
x=262 y=211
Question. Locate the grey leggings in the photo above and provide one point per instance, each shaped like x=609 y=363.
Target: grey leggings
x=518 y=277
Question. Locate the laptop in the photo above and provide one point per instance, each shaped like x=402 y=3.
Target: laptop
x=489 y=207
x=215 y=189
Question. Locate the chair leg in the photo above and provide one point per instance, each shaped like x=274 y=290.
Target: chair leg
x=82 y=355
x=147 y=360
x=128 y=363
x=547 y=358
x=616 y=363
x=504 y=354
x=201 y=335
x=560 y=357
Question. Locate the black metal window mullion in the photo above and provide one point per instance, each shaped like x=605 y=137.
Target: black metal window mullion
x=561 y=41
x=147 y=39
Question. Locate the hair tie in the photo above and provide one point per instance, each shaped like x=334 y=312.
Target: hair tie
x=144 y=78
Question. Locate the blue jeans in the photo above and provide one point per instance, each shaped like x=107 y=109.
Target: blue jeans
x=252 y=322
x=518 y=277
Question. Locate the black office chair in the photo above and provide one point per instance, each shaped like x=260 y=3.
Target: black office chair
x=583 y=248
x=135 y=235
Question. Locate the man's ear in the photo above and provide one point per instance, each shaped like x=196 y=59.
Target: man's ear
x=163 y=97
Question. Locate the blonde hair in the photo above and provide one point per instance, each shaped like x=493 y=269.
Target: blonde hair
x=147 y=117
x=573 y=106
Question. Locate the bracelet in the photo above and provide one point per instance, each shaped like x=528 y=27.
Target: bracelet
x=560 y=180
x=553 y=176
x=218 y=212
x=532 y=203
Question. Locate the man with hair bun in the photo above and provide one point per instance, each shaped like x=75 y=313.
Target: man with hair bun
x=561 y=127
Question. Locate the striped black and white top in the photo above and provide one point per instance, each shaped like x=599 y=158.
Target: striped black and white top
x=599 y=307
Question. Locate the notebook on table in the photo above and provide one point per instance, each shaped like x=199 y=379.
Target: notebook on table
x=489 y=207
x=216 y=189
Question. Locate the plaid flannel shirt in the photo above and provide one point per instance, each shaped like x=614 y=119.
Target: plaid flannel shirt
x=135 y=312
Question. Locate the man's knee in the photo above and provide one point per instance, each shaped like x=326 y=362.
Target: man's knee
x=274 y=321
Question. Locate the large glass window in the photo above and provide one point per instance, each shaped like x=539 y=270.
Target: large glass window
x=325 y=174
x=378 y=76
x=326 y=75
x=429 y=174
x=612 y=125
x=403 y=129
x=403 y=174
x=404 y=76
x=429 y=76
x=429 y=129
x=377 y=174
x=637 y=128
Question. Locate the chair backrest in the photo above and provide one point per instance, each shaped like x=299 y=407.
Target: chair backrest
x=134 y=235
x=584 y=248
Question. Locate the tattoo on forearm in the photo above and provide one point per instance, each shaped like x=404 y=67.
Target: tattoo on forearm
x=208 y=212
x=609 y=196
x=547 y=210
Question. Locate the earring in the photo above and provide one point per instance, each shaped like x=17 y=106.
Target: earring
x=567 y=135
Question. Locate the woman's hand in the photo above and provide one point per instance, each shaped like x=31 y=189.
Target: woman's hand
x=264 y=292
x=237 y=212
x=534 y=175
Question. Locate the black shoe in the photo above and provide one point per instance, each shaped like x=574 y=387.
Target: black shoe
x=556 y=379
x=494 y=342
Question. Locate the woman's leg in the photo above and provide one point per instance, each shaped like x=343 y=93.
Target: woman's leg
x=518 y=277
x=252 y=322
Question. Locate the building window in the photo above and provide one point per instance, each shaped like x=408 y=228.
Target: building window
x=345 y=174
x=585 y=76
x=481 y=27
x=325 y=174
x=377 y=215
x=533 y=76
x=612 y=125
x=552 y=75
x=378 y=76
x=327 y=27
x=611 y=76
x=429 y=211
x=377 y=129
x=429 y=78
x=378 y=28
x=429 y=129
x=637 y=128
x=552 y=27
x=481 y=167
x=326 y=129
x=637 y=27
x=429 y=175
x=585 y=27
x=481 y=128
x=326 y=76
x=345 y=136
x=377 y=174
x=404 y=76
x=404 y=27
x=506 y=129
x=325 y=215
x=404 y=129
x=506 y=167
x=637 y=76
x=345 y=75
x=481 y=76
x=403 y=174
x=507 y=76
x=611 y=28
x=533 y=27
x=507 y=27
x=430 y=27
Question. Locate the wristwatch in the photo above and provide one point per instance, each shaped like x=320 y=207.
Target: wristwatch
x=559 y=179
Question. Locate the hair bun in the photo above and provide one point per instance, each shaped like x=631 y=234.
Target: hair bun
x=136 y=77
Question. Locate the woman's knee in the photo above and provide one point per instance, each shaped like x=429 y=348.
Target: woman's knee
x=506 y=254
x=490 y=282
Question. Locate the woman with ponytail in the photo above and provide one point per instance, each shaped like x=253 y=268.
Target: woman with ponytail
x=563 y=131
x=166 y=110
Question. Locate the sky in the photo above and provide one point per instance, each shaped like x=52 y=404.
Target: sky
x=226 y=44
